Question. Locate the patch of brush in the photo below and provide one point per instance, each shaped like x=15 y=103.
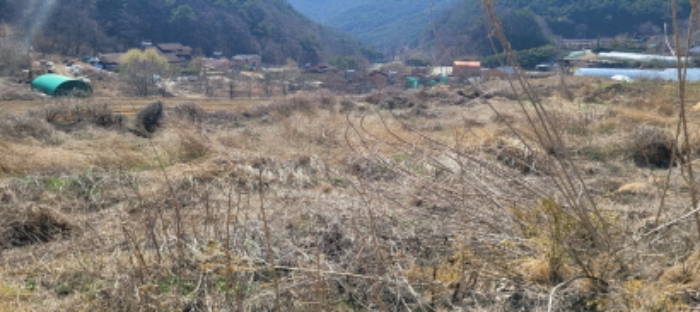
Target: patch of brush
x=34 y=225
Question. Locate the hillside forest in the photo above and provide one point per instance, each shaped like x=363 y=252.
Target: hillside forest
x=270 y=28
x=444 y=30
x=460 y=30
x=386 y=25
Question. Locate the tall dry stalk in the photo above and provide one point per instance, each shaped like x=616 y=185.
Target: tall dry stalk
x=268 y=239
x=567 y=178
x=682 y=67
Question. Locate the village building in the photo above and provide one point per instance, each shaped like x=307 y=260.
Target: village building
x=176 y=48
x=171 y=57
x=216 y=64
x=175 y=53
x=320 y=68
x=109 y=61
x=251 y=61
x=466 y=69
x=584 y=44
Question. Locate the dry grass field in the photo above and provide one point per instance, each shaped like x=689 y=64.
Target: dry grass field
x=129 y=106
x=423 y=200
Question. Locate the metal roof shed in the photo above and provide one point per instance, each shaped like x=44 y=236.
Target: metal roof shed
x=57 y=85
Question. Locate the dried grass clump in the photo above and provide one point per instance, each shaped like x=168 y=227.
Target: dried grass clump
x=685 y=273
x=651 y=146
x=399 y=102
x=347 y=105
x=327 y=100
x=393 y=99
x=74 y=114
x=370 y=169
x=32 y=226
x=439 y=93
x=188 y=111
x=28 y=125
x=542 y=271
x=193 y=143
x=17 y=95
x=303 y=102
x=226 y=118
x=321 y=130
x=148 y=119
x=516 y=155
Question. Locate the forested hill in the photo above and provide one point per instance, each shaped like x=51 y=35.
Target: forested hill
x=576 y=18
x=271 y=27
x=461 y=29
x=384 y=24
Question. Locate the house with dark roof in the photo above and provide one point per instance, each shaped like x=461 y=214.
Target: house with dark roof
x=252 y=61
x=176 y=48
x=321 y=68
x=172 y=58
x=109 y=61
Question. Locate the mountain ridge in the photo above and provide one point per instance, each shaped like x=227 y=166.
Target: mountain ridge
x=402 y=21
x=271 y=28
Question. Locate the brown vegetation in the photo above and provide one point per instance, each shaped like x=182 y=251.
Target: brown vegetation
x=316 y=202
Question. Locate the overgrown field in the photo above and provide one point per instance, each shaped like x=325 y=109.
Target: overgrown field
x=430 y=200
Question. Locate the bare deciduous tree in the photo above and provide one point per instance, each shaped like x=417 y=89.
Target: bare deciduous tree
x=13 y=57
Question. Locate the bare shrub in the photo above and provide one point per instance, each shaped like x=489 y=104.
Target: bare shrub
x=370 y=169
x=651 y=146
x=193 y=143
x=188 y=111
x=71 y=114
x=327 y=100
x=11 y=90
x=148 y=119
x=13 y=57
x=393 y=99
x=300 y=102
x=226 y=118
x=518 y=156
x=347 y=105
x=34 y=225
x=27 y=125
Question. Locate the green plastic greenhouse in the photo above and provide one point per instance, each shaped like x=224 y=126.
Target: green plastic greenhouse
x=57 y=85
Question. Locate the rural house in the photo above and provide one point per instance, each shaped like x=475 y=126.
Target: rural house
x=584 y=44
x=216 y=64
x=109 y=61
x=172 y=57
x=466 y=69
x=179 y=50
x=252 y=61
x=321 y=68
